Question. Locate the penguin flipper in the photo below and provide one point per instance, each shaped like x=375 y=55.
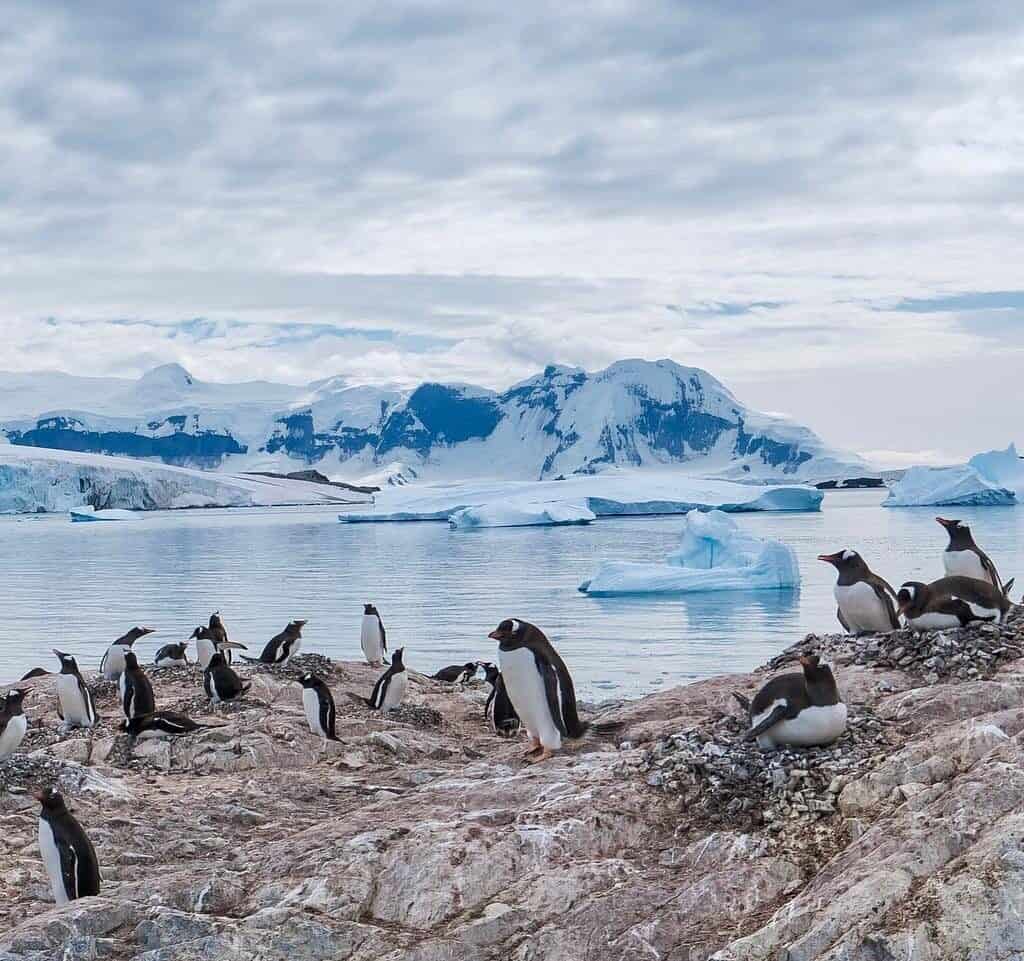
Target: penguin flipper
x=777 y=714
x=957 y=608
x=103 y=660
x=490 y=703
x=1008 y=586
x=550 y=678
x=383 y=635
x=68 y=866
x=842 y=620
x=885 y=600
x=742 y=700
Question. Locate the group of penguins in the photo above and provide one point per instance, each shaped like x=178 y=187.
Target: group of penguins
x=530 y=688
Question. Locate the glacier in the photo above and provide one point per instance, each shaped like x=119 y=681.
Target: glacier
x=989 y=479
x=715 y=555
x=616 y=492
x=36 y=480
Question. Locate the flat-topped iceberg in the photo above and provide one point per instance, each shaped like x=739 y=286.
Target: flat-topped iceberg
x=521 y=514
x=715 y=555
x=991 y=479
x=605 y=494
x=90 y=515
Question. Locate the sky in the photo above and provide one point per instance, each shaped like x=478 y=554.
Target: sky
x=818 y=203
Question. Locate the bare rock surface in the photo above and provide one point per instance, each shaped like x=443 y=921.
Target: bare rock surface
x=423 y=836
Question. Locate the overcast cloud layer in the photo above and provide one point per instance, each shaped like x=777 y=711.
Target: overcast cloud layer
x=821 y=207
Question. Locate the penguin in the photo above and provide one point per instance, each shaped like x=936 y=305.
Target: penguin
x=163 y=724
x=951 y=602
x=172 y=655
x=539 y=686
x=797 y=709
x=963 y=558
x=220 y=682
x=113 y=661
x=67 y=852
x=136 y=691
x=389 y=690
x=35 y=672
x=457 y=673
x=74 y=702
x=281 y=648
x=318 y=703
x=373 y=637
x=210 y=641
x=499 y=709
x=866 y=601
x=13 y=723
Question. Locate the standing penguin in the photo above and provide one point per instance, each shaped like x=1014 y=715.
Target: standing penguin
x=74 y=702
x=963 y=558
x=318 y=703
x=213 y=640
x=220 y=682
x=499 y=707
x=373 y=637
x=866 y=601
x=389 y=690
x=67 y=852
x=281 y=648
x=172 y=655
x=539 y=686
x=136 y=691
x=799 y=709
x=951 y=602
x=13 y=723
x=113 y=661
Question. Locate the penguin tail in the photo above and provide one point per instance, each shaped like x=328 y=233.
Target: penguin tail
x=245 y=689
x=742 y=700
x=1008 y=586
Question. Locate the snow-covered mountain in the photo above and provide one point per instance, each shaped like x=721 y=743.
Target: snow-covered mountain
x=561 y=422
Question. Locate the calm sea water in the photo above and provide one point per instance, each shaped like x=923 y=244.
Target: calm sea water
x=77 y=586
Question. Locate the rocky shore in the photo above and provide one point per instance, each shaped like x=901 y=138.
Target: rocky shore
x=425 y=837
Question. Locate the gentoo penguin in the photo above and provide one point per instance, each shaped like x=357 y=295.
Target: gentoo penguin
x=539 y=686
x=281 y=648
x=35 y=672
x=220 y=682
x=74 y=702
x=210 y=641
x=172 y=655
x=67 y=852
x=499 y=708
x=163 y=724
x=136 y=691
x=963 y=558
x=459 y=673
x=389 y=690
x=865 y=600
x=951 y=602
x=13 y=723
x=113 y=661
x=373 y=637
x=318 y=703
x=798 y=709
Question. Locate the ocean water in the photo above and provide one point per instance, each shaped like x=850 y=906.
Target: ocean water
x=78 y=586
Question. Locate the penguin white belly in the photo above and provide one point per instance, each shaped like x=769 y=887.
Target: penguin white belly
x=964 y=564
x=51 y=861
x=992 y=614
x=72 y=704
x=813 y=725
x=395 y=692
x=525 y=688
x=13 y=735
x=204 y=651
x=862 y=607
x=933 y=621
x=169 y=662
x=290 y=652
x=369 y=638
x=113 y=661
x=311 y=705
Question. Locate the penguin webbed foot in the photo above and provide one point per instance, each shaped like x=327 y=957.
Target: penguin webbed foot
x=545 y=754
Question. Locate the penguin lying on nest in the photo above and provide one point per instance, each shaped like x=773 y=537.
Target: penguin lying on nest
x=801 y=710
x=540 y=688
x=963 y=558
x=163 y=724
x=951 y=602
x=456 y=673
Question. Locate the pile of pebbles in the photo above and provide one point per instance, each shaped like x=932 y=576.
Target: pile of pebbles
x=721 y=780
x=415 y=714
x=966 y=653
x=294 y=669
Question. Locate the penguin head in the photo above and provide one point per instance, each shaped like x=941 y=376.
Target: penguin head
x=215 y=621
x=199 y=633
x=951 y=524
x=959 y=533
x=216 y=660
x=295 y=627
x=396 y=657
x=51 y=800
x=308 y=679
x=68 y=665
x=470 y=668
x=133 y=635
x=506 y=630
x=490 y=671
x=12 y=703
x=910 y=595
x=844 y=560
x=369 y=609
x=815 y=672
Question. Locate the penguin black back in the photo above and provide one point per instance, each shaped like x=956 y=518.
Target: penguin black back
x=137 y=691
x=67 y=852
x=220 y=682
x=379 y=696
x=318 y=703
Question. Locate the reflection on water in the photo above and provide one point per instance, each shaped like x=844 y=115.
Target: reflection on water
x=77 y=586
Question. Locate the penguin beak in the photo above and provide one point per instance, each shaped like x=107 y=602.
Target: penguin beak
x=828 y=558
x=946 y=523
x=147 y=630
x=495 y=635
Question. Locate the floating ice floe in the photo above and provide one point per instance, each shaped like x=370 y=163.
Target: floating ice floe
x=606 y=494
x=521 y=514
x=991 y=479
x=90 y=514
x=715 y=555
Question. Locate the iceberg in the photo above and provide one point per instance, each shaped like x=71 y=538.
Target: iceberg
x=990 y=479
x=90 y=514
x=613 y=492
x=715 y=555
x=521 y=514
